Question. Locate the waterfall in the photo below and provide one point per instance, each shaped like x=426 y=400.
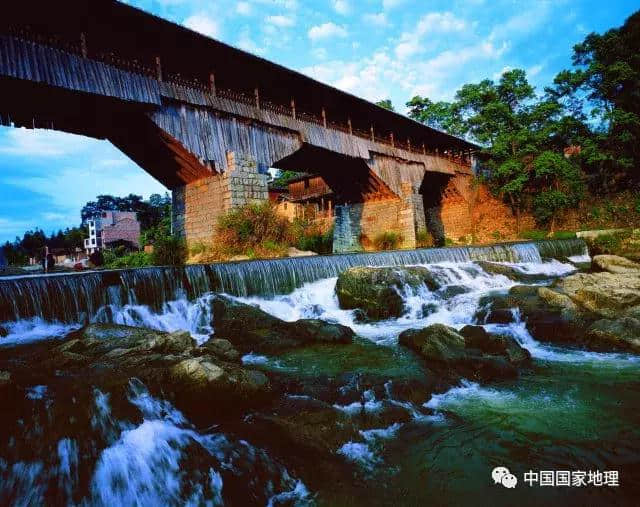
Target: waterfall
x=77 y=297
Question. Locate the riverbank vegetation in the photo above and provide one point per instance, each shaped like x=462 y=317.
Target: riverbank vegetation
x=256 y=230
x=549 y=153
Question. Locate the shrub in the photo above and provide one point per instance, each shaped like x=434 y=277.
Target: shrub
x=564 y=235
x=423 y=239
x=197 y=248
x=316 y=241
x=534 y=234
x=387 y=241
x=132 y=260
x=169 y=251
x=608 y=243
x=251 y=225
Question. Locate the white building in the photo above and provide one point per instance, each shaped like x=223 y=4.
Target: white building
x=110 y=227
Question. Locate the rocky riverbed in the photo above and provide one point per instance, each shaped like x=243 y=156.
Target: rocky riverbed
x=382 y=385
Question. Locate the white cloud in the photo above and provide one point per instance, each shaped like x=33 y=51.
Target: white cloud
x=285 y=4
x=522 y=23
x=246 y=42
x=379 y=19
x=243 y=8
x=327 y=31
x=412 y=42
x=391 y=4
x=203 y=24
x=534 y=70
x=280 y=21
x=341 y=7
x=319 y=53
x=43 y=143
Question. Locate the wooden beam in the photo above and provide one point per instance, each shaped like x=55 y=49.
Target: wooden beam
x=158 y=69
x=83 y=45
x=212 y=83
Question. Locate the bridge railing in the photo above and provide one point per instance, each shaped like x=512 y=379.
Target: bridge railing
x=154 y=70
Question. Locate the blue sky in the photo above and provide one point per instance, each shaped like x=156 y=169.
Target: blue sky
x=373 y=48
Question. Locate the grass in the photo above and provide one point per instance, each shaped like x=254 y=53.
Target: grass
x=423 y=239
x=387 y=240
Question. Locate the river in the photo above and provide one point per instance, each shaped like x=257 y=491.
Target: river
x=574 y=411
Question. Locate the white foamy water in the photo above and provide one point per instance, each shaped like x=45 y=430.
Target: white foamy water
x=424 y=307
x=36 y=329
x=518 y=330
x=177 y=315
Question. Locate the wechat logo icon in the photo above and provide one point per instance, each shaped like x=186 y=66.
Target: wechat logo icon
x=501 y=475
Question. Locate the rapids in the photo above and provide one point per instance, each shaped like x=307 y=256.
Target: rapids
x=576 y=410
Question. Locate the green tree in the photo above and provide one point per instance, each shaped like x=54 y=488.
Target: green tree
x=386 y=104
x=560 y=186
x=439 y=115
x=282 y=178
x=604 y=88
x=513 y=125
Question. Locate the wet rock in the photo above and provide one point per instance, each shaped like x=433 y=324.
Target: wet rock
x=306 y=433
x=476 y=337
x=319 y=331
x=250 y=329
x=548 y=315
x=605 y=294
x=451 y=291
x=377 y=291
x=172 y=343
x=510 y=272
x=445 y=349
x=3 y=332
x=621 y=334
x=5 y=378
x=615 y=264
x=436 y=342
x=222 y=349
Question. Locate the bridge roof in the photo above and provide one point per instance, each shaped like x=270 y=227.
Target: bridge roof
x=112 y=27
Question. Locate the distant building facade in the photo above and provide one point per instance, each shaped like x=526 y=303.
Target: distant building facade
x=312 y=197
x=112 y=227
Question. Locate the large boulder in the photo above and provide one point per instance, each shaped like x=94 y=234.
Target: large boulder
x=250 y=329
x=476 y=355
x=604 y=294
x=615 y=264
x=222 y=349
x=435 y=343
x=200 y=380
x=549 y=315
x=621 y=334
x=477 y=337
x=377 y=292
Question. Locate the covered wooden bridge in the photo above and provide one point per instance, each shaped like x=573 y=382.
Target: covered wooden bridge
x=207 y=119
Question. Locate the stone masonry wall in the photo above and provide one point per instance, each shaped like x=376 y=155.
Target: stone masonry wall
x=357 y=225
x=197 y=206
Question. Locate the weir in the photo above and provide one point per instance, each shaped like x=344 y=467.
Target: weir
x=78 y=297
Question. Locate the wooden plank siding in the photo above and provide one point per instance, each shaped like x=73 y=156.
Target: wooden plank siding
x=21 y=59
